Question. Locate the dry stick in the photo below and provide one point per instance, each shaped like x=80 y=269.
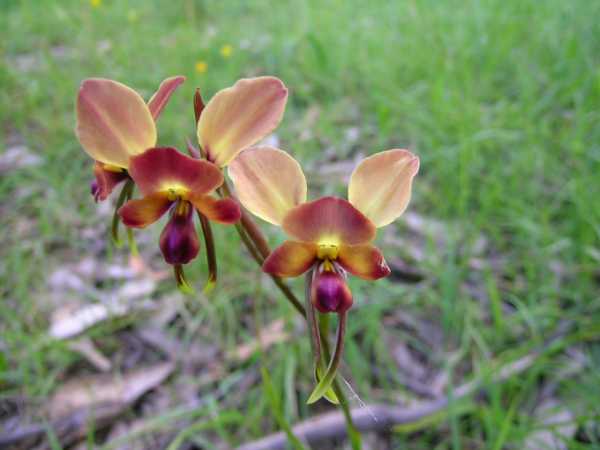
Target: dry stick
x=378 y=417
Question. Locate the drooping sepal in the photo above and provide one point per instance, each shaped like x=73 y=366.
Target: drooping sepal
x=105 y=181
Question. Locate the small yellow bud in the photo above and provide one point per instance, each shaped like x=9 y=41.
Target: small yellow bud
x=226 y=51
x=201 y=66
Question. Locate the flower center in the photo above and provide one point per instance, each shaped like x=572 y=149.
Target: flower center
x=112 y=168
x=327 y=252
x=176 y=192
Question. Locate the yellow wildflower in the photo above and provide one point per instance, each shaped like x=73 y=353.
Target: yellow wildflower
x=201 y=66
x=226 y=51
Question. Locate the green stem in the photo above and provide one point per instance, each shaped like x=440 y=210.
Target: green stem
x=124 y=195
x=313 y=326
x=353 y=432
x=211 y=256
x=325 y=382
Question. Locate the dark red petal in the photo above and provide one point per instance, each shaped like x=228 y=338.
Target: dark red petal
x=330 y=292
x=179 y=242
x=105 y=182
x=224 y=210
x=328 y=221
x=160 y=168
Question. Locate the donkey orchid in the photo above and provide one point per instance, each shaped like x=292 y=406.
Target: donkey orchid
x=328 y=236
x=114 y=123
x=170 y=180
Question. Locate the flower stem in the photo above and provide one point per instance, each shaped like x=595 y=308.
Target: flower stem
x=124 y=195
x=241 y=227
x=313 y=325
x=211 y=256
x=353 y=432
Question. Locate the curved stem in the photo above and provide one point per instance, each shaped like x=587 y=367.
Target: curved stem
x=211 y=256
x=353 y=432
x=124 y=195
x=259 y=249
x=181 y=280
x=313 y=326
x=334 y=363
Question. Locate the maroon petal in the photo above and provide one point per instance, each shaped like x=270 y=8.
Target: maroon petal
x=330 y=292
x=179 y=242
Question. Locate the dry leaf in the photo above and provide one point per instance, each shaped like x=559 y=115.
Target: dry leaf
x=269 y=335
x=85 y=346
x=71 y=320
x=118 y=390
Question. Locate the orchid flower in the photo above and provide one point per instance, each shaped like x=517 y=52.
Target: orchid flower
x=170 y=180
x=329 y=236
x=114 y=123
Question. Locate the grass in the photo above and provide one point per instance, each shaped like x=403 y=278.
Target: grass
x=500 y=100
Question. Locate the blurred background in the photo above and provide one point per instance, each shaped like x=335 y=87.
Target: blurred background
x=491 y=315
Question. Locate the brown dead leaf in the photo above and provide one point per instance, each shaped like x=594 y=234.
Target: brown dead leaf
x=93 y=392
x=85 y=347
x=73 y=319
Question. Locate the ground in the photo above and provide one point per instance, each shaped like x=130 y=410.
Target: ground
x=494 y=264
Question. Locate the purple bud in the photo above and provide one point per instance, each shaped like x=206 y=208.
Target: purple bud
x=330 y=293
x=178 y=241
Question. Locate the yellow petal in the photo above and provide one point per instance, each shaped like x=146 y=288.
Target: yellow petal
x=239 y=116
x=380 y=186
x=268 y=182
x=113 y=122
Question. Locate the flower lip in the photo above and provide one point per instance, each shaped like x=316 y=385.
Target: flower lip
x=179 y=242
x=329 y=290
